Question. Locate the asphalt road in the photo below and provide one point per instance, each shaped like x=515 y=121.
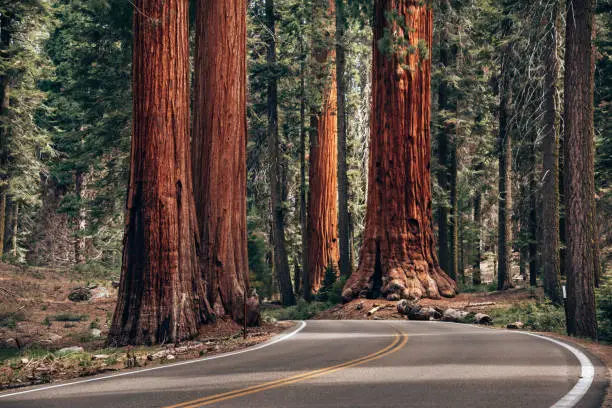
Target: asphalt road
x=354 y=364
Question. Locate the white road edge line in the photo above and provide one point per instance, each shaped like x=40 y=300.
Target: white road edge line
x=587 y=370
x=199 y=360
x=586 y=376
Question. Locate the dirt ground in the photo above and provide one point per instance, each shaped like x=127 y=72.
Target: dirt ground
x=37 y=320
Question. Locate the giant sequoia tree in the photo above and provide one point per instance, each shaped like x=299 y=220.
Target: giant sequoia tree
x=398 y=259
x=550 y=167
x=161 y=295
x=219 y=151
x=322 y=221
x=579 y=169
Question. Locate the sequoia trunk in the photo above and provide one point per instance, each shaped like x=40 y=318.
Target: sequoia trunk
x=322 y=220
x=476 y=275
x=219 y=151
x=2 y=218
x=504 y=265
x=343 y=185
x=281 y=263
x=397 y=258
x=161 y=296
x=579 y=169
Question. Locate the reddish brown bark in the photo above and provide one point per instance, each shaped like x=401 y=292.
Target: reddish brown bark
x=219 y=151
x=161 y=296
x=579 y=180
x=323 y=251
x=398 y=257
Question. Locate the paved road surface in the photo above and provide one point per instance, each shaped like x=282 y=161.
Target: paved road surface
x=354 y=364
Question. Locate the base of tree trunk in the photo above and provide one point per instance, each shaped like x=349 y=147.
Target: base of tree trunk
x=397 y=274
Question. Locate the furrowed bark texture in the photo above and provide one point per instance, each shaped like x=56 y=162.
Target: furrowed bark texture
x=281 y=263
x=303 y=203
x=398 y=259
x=219 y=152
x=476 y=275
x=504 y=247
x=323 y=251
x=15 y=228
x=161 y=296
x=579 y=169
x=343 y=184
x=533 y=215
x=2 y=218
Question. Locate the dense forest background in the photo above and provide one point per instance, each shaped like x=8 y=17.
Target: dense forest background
x=66 y=108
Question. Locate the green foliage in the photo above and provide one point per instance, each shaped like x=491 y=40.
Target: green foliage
x=261 y=273
x=301 y=311
x=331 y=275
x=9 y=316
x=69 y=317
x=603 y=296
x=539 y=316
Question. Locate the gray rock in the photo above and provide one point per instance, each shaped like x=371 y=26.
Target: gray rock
x=170 y=357
x=481 y=318
x=96 y=332
x=99 y=292
x=453 y=315
x=404 y=307
x=72 y=349
x=515 y=326
x=100 y=356
x=80 y=294
x=10 y=343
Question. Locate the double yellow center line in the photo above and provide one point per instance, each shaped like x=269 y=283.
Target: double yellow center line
x=399 y=340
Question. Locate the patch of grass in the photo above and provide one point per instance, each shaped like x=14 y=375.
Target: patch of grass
x=603 y=297
x=484 y=287
x=539 y=316
x=95 y=324
x=69 y=317
x=92 y=271
x=46 y=322
x=10 y=315
x=301 y=311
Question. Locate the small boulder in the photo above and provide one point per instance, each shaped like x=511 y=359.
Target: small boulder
x=10 y=343
x=54 y=338
x=481 y=318
x=170 y=357
x=96 y=332
x=99 y=292
x=432 y=313
x=69 y=350
x=453 y=315
x=100 y=356
x=80 y=294
x=516 y=325
x=404 y=307
x=24 y=361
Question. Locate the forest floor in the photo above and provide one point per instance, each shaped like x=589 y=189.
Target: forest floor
x=37 y=320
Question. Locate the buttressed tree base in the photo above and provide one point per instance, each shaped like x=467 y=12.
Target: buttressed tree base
x=398 y=259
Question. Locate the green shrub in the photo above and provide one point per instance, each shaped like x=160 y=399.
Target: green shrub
x=603 y=296
x=328 y=282
x=539 y=316
x=10 y=315
x=301 y=311
x=69 y=317
x=95 y=324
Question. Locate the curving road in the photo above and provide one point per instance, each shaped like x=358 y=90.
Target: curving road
x=354 y=364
